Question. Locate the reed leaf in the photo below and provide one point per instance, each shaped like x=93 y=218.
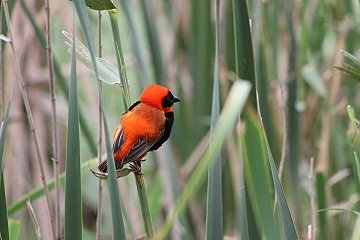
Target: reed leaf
x=14 y=229
x=108 y=73
x=287 y=221
x=214 y=213
x=73 y=201
x=257 y=178
x=100 y=4
x=4 y=223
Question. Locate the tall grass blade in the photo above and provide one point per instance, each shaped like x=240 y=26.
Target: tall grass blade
x=4 y=224
x=201 y=43
x=257 y=178
x=321 y=201
x=4 y=27
x=293 y=114
x=14 y=229
x=237 y=97
x=117 y=217
x=73 y=202
x=357 y=164
x=245 y=67
x=288 y=224
x=214 y=215
x=351 y=114
x=153 y=38
x=120 y=58
x=241 y=203
x=144 y=76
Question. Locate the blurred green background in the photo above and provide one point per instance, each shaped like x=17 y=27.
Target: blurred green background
x=302 y=98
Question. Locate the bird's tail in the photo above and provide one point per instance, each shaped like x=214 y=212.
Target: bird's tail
x=103 y=166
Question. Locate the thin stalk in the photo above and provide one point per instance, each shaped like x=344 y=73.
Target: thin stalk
x=34 y=220
x=49 y=57
x=30 y=118
x=1 y=69
x=144 y=204
x=120 y=58
x=214 y=212
x=284 y=140
x=98 y=218
x=312 y=200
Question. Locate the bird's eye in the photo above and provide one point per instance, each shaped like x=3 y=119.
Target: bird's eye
x=166 y=102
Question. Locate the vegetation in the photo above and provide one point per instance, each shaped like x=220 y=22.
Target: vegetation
x=265 y=143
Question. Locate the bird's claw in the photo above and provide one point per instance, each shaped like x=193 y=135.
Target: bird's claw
x=136 y=167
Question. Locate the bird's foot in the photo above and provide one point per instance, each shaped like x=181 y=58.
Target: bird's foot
x=136 y=167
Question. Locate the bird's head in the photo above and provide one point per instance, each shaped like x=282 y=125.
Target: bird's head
x=158 y=97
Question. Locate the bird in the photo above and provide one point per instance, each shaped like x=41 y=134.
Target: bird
x=144 y=127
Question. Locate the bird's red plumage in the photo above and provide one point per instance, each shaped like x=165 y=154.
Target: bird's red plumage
x=142 y=126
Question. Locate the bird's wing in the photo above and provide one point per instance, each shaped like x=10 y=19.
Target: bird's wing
x=141 y=147
x=118 y=139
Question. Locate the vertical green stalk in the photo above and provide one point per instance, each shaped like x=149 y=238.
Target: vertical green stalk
x=293 y=114
x=243 y=45
x=153 y=40
x=99 y=203
x=144 y=76
x=73 y=204
x=4 y=224
x=120 y=58
x=320 y=187
x=54 y=134
x=202 y=52
x=245 y=69
x=144 y=204
x=214 y=215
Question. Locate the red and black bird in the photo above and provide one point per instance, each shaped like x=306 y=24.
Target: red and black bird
x=144 y=127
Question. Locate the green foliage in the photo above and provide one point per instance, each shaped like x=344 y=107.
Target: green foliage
x=73 y=203
x=214 y=212
x=4 y=223
x=220 y=170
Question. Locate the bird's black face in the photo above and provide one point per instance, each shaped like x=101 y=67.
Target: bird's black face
x=169 y=100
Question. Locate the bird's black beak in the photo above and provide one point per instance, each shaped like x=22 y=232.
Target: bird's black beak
x=176 y=99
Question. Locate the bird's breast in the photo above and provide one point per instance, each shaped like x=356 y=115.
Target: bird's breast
x=143 y=121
